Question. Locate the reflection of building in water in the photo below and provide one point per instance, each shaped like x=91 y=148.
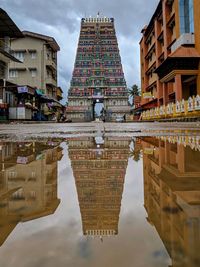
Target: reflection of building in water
x=28 y=183
x=172 y=198
x=99 y=171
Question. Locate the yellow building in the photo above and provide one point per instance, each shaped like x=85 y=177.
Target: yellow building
x=28 y=183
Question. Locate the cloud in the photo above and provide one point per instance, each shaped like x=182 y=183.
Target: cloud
x=61 y=19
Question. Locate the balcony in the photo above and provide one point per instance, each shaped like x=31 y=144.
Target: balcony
x=51 y=81
x=6 y=50
x=51 y=64
x=184 y=39
x=59 y=93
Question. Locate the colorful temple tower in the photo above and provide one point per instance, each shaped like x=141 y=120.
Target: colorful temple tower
x=98 y=75
x=99 y=173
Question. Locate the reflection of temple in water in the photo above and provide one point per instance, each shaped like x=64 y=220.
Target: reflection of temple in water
x=99 y=171
x=172 y=197
x=28 y=183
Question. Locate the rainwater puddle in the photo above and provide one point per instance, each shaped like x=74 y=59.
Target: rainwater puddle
x=100 y=201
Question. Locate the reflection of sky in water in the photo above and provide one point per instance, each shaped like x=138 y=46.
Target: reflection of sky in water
x=57 y=240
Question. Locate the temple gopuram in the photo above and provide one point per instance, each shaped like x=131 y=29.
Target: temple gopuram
x=98 y=74
x=99 y=172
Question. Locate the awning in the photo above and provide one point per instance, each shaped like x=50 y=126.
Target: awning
x=55 y=104
x=39 y=92
x=46 y=99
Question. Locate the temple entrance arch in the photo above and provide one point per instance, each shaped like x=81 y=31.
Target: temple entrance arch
x=97 y=108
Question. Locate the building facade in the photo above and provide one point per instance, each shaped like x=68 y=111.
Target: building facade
x=171 y=194
x=170 y=53
x=8 y=30
x=38 y=67
x=28 y=183
x=98 y=75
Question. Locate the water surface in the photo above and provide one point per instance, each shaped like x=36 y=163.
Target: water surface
x=104 y=201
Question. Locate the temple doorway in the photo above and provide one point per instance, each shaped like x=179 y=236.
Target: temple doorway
x=98 y=108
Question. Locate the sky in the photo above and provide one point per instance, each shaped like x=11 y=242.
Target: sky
x=61 y=20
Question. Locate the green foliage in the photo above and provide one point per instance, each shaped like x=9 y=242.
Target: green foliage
x=134 y=91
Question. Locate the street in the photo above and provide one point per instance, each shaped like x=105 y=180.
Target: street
x=31 y=131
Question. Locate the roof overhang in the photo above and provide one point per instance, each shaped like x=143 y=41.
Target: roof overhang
x=8 y=27
x=49 y=40
x=183 y=59
x=10 y=56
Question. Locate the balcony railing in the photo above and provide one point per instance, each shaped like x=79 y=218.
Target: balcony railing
x=6 y=50
x=5 y=47
x=51 y=80
x=51 y=64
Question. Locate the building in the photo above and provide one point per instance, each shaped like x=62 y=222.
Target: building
x=99 y=171
x=172 y=193
x=98 y=75
x=8 y=30
x=170 y=53
x=38 y=54
x=28 y=183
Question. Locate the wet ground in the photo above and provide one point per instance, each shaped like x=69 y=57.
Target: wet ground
x=97 y=194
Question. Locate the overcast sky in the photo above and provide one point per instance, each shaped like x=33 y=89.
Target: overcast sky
x=61 y=20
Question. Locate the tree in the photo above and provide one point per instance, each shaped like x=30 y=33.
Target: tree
x=134 y=91
x=135 y=152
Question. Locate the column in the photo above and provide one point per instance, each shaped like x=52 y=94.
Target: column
x=181 y=158
x=165 y=94
x=198 y=82
x=178 y=87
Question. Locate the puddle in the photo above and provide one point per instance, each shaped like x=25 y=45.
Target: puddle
x=100 y=201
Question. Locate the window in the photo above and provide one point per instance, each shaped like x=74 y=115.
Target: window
x=186 y=11
x=19 y=55
x=13 y=73
x=33 y=174
x=32 y=195
x=33 y=72
x=33 y=54
x=19 y=195
x=12 y=174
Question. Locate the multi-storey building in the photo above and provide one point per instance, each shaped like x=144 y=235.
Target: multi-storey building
x=98 y=75
x=171 y=196
x=28 y=183
x=8 y=30
x=38 y=54
x=170 y=53
x=99 y=172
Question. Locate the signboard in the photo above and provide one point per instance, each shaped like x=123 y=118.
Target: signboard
x=147 y=95
x=148 y=151
x=22 y=89
x=22 y=160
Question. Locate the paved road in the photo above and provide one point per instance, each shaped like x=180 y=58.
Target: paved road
x=18 y=131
